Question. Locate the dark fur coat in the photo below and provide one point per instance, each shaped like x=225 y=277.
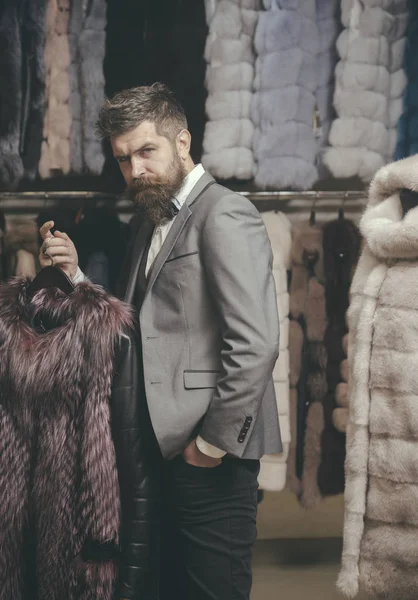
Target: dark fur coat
x=87 y=47
x=60 y=503
x=22 y=81
x=341 y=245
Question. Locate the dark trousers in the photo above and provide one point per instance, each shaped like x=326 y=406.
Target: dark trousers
x=208 y=530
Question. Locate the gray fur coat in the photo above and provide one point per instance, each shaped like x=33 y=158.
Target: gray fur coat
x=87 y=47
x=381 y=499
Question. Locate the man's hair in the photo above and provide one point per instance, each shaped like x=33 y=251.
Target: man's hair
x=129 y=108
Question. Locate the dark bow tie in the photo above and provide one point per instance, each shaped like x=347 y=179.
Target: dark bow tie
x=173 y=210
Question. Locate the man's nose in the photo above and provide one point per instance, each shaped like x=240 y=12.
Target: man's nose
x=138 y=168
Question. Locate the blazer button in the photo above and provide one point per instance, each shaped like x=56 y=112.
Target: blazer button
x=241 y=438
x=249 y=420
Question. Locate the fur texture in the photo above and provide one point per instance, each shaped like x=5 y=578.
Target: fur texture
x=272 y=475
x=340 y=413
x=381 y=509
x=369 y=87
x=328 y=21
x=21 y=247
x=55 y=151
x=286 y=44
x=308 y=361
x=34 y=34
x=296 y=339
x=341 y=244
x=228 y=138
x=295 y=47
x=87 y=48
x=60 y=493
x=22 y=39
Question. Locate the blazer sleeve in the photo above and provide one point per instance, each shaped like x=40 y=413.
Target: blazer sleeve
x=131 y=432
x=237 y=259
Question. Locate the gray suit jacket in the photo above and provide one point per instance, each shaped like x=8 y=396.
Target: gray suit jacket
x=209 y=326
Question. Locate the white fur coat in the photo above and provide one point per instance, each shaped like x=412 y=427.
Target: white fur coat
x=55 y=149
x=272 y=475
x=381 y=499
x=370 y=82
x=329 y=26
x=286 y=44
x=292 y=104
x=227 y=144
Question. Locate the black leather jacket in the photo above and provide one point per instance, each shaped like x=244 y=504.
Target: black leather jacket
x=136 y=455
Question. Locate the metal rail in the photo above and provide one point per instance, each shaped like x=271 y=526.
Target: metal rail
x=295 y=204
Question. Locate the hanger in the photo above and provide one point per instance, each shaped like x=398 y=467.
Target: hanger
x=312 y=218
x=341 y=214
x=51 y=277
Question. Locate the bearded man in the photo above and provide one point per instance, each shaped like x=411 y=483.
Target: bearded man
x=201 y=281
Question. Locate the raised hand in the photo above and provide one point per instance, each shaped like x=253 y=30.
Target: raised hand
x=58 y=250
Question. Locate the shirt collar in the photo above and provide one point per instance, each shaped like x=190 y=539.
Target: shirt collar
x=188 y=184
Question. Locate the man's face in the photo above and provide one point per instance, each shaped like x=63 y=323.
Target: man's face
x=151 y=167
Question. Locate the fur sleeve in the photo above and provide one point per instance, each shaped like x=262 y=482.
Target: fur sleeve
x=364 y=290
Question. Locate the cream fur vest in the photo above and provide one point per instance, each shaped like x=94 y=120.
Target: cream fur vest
x=381 y=499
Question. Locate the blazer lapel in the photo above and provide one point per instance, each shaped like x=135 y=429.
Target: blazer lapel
x=141 y=239
x=180 y=221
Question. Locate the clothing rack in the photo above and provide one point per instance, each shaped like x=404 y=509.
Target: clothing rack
x=295 y=204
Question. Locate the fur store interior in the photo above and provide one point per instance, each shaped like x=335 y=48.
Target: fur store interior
x=284 y=95
x=294 y=95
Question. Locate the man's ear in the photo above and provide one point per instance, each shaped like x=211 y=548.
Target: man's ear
x=183 y=142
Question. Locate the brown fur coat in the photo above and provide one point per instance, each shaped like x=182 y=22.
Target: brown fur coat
x=58 y=480
x=381 y=500
x=308 y=362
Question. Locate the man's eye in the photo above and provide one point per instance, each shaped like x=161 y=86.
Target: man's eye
x=122 y=159
x=148 y=150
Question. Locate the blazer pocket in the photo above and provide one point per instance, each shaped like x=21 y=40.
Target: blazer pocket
x=181 y=256
x=194 y=380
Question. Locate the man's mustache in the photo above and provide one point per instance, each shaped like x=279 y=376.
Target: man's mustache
x=141 y=184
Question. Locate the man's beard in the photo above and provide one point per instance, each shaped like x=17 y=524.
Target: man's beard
x=154 y=200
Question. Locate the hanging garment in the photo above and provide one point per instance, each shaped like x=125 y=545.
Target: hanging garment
x=22 y=40
x=87 y=48
x=21 y=247
x=328 y=20
x=3 y=259
x=308 y=361
x=101 y=234
x=408 y=124
x=341 y=245
x=97 y=269
x=381 y=510
x=340 y=414
x=296 y=342
x=228 y=138
x=67 y=418
x=55 y=151
x=283 y=106
x=369 y=86
x=272 y=476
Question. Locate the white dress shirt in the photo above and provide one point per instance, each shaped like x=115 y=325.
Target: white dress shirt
x=161 y=231
x=158 y=238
